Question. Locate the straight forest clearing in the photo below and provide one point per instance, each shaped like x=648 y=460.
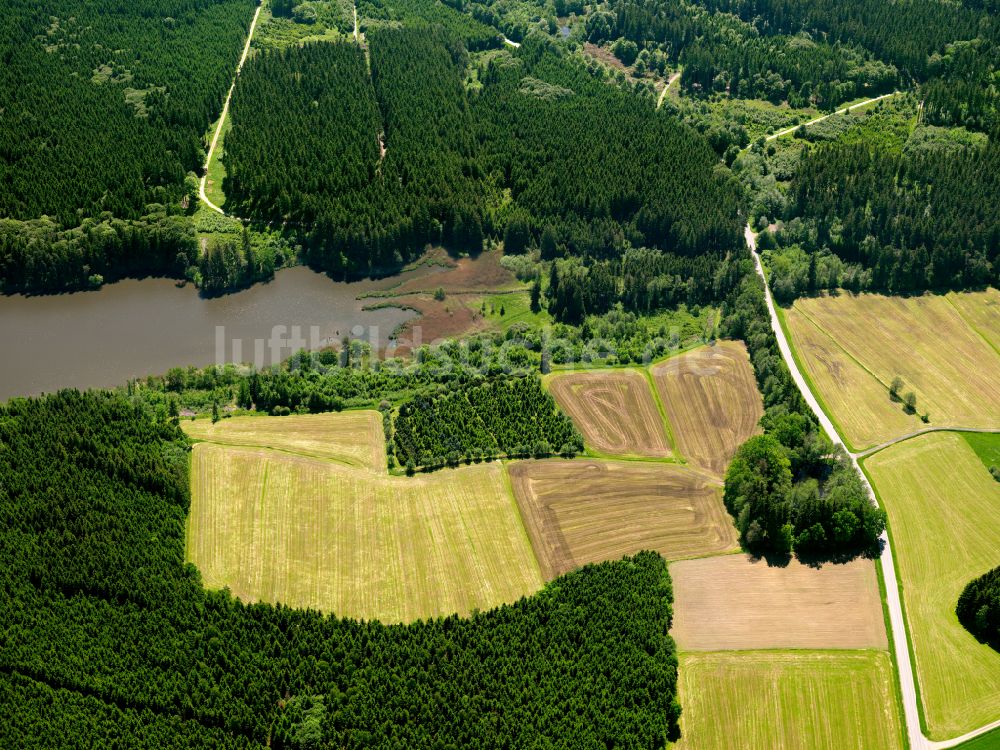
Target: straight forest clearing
x=734 y=602
x=581 y=511
x=942 y=505
x=711 y=400
x=614 y=410
x=353 y=438
x=795 y=700
x=273 y=525
x=943 y=347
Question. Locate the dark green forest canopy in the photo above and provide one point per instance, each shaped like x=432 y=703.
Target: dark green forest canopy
x=105 y=102
x=895 y=221
x=597 y=166
x=104 y=106
x=979 y=607
x=105 y=626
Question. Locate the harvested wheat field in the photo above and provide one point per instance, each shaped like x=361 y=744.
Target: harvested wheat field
x=943 y=507
x=579 y=512
x=793 y=700
x=925 y=340
x=308 y=532
x=981 y=310
x=353 y=438
x=712 y=402
x=614 y=410
x=733 y=602
x=857 y=403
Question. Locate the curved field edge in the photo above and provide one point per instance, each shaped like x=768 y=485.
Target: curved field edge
x=307 y=532
x=953 y=698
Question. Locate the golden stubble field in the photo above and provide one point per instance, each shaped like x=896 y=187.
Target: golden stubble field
x=583 y=511
x=943 y=508
x=614 y=410
x=735 y=602
x=277 y=526
x=794 y=700
x=711 y=400
x=352 y=438
x=944 y=347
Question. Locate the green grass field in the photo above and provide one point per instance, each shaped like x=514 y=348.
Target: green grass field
x=988 y=741
x=986 y=445
x=216 y=171
x=943 y=507
x=788 y=699
x=332 y=531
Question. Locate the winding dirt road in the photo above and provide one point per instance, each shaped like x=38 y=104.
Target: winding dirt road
x=225 y=113
x=845 y=110
x=663 y=94
x=900 y=638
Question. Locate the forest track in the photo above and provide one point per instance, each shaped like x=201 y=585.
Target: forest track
x=225 y=113
x=663 y=94
x=900 y=635
x=841 y=111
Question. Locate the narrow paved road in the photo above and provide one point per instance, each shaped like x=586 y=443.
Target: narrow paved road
x=865 y=103
x=907 y=681
x=663 y=94
x=225 y=113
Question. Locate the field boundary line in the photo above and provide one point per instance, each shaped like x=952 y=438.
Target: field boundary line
x=844 y=349
x=287 y=451
x=925 y=431
x=906 y=620
x=512 y=497
x=651 y=384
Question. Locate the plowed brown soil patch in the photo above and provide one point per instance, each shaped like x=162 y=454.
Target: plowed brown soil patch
x=732 y=602
x=482 y=273
x=579 y=512
x=615 y=410
x=451 y=318
x=711 y=400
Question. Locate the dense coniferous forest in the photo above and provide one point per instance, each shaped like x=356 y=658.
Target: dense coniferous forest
x=526 y=149
x=105 y=105
x=897 y=222
x=107 y=627
x=979 y=607
x=513 y=418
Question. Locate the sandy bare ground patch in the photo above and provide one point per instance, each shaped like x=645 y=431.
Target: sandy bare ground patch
x=578 y=512
x=712 y=402
x=732 y=602
x=615 y=410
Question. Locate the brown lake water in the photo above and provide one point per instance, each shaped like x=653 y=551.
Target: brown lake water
x=144 y=327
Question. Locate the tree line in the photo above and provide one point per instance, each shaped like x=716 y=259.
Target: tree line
x=106 y=624
x=867 y=218
x=787 y=490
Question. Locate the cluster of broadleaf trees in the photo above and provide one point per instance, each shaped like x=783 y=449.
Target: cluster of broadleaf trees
x=979 y=607
x=110 y=638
